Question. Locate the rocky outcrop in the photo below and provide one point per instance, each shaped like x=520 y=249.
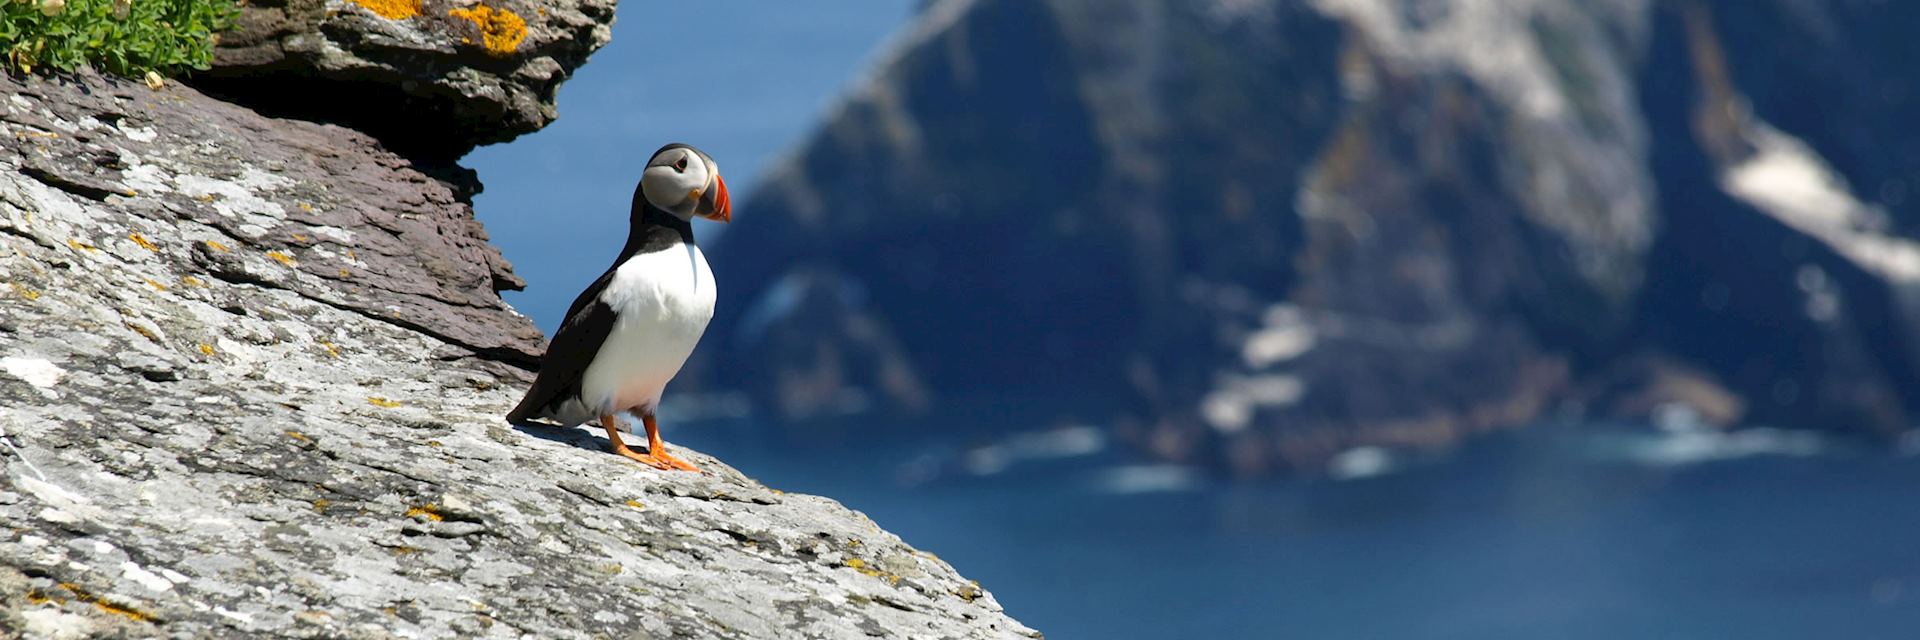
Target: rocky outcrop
x=251 y=374
x=429 y=78
x=1268 y=232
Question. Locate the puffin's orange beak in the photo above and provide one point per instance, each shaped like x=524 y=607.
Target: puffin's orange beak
x=715 y=205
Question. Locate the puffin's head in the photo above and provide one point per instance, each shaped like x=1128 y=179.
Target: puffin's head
x=685 y=182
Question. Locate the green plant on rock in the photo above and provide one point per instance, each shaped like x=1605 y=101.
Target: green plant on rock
x=126 y=37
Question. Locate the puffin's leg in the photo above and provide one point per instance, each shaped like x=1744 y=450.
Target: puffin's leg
x=657 y=448
x=613 y=434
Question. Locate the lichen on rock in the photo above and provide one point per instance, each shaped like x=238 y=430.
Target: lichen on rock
x=391 y=9
x=500 y=30
x=430 y=78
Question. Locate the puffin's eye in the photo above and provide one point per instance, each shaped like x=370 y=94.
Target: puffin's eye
x=681 y=164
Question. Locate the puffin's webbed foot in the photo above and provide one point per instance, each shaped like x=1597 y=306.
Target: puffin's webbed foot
x=658 y=448
x=656 y=455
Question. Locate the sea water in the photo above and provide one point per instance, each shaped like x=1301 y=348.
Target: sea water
x=1567 y=531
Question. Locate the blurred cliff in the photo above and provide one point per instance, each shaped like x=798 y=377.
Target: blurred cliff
x=1254 y=233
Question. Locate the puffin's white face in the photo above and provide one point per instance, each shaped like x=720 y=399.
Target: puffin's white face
x=685 y=182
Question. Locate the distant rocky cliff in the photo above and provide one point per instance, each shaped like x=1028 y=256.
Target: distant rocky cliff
x=252 y=372
x=1267 y=232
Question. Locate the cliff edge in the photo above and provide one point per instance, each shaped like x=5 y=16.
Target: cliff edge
x=251 y=374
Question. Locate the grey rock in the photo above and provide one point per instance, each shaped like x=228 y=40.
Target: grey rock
x=423 y=75
x=211 y=441
x=216 y=190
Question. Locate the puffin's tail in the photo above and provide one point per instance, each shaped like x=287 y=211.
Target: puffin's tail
x=521 y=413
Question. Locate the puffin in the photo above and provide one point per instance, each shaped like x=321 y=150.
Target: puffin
x=628 y=334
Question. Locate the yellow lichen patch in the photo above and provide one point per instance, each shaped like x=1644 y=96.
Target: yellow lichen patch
x=636 y=504
x=306 y=207
x=332 y=350
x=859 y=565
x=81 y=246
x=299 y=238
x=37 y=596
x=969 y=592
x=391 y=9
x=192 y=281
x=206 y=197
x=281 y=257
x=435 y=443
x=382 y=402
x=299 y=436
x=854 y=542
x=345 y=273
x=24 y=292
x=144 y=333
x=142 y=241
x=216 y=246
x=156 y=285
x=321 y=504
x=206 y=348
x=135 y=614
x=120 y=610
x=500 y=30
x=429 y=510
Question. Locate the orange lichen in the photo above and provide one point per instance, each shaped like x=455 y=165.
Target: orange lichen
x=80 y=246
x=142 y=241
x=636 y=504
x=299 y=436
x=192 y=281
x=382 y=402
x=500 y=30
x=206 y=348
x=332 y=350
x=429 y=510
x=156 y=285
x=391 y=9
x=216 y=246
x=25 y=292
x=281 y=257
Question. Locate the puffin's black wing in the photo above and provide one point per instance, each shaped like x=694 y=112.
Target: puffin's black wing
x=571 y=351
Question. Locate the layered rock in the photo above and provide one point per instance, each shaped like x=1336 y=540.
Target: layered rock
x=1266 y=232
x=430 y=78
x=251 y=379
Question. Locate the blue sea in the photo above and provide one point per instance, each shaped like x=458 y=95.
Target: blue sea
x=1556 y=532
x=1560 y=531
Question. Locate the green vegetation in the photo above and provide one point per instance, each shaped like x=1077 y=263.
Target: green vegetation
x=127 y=37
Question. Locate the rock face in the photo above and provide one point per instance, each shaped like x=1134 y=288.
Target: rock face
x=251 y=374
x=1272 y=231
x=430 y=78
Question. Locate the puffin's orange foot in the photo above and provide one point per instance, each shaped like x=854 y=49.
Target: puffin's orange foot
x=644 y=458
x=672 y=462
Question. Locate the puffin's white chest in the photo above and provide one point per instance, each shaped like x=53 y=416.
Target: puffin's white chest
x=661 y=303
